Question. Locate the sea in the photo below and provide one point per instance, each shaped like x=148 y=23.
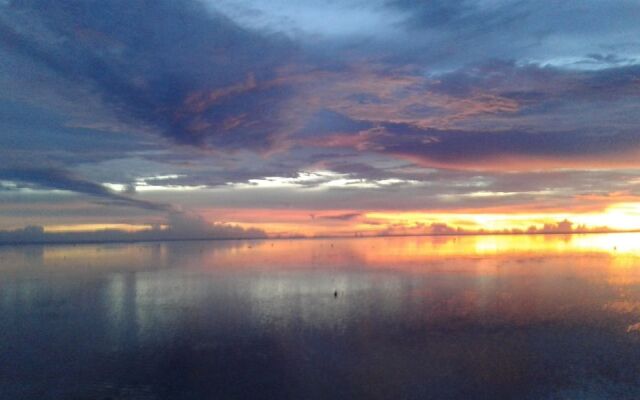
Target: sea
x=432 y=317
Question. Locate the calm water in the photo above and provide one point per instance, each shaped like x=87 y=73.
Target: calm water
x=506 y=317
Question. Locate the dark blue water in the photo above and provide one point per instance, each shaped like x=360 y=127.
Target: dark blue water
x=414 y=318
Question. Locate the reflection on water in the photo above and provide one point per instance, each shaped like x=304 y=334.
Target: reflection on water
x=526 y=317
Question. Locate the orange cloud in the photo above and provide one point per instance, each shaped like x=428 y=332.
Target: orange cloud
x=364 y=93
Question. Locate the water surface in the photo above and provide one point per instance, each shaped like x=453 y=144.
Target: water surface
x=486 y=317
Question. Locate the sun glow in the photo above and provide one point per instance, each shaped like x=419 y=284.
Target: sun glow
x=350 y=222
x=617 y=217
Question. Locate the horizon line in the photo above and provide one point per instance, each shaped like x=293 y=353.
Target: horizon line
x=300 y=237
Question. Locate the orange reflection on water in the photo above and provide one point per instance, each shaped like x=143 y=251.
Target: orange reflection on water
x=521 y=279
x=603 y=257
x=621 y=251
x=396 y=250
x=614 y=243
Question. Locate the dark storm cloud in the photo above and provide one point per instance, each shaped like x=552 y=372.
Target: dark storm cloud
x=173 y=66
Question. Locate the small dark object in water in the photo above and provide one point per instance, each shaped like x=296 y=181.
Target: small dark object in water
x=335 y=294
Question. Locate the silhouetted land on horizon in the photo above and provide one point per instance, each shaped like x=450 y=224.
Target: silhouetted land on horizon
x=81 y=237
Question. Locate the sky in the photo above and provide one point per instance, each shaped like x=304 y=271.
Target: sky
x=313 y=118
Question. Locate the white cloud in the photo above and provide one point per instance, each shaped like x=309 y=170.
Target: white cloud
x=320 y=180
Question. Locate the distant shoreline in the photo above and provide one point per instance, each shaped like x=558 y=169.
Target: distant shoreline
x=255 y=239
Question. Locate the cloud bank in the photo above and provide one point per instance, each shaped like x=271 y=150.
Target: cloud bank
x=180 y=226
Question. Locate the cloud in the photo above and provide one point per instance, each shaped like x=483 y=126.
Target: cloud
x=533 y=85
x=440 y=228
x=210 y=76
x=427 y=97
x=340 y=217
x=180 y=226
x=633 y=328
x=495 y=150
x=486 y=116
x=446 y=32
x=64 y=180
x=190 y=225
x=519 y=150
x=565 y=226
x=172 y=67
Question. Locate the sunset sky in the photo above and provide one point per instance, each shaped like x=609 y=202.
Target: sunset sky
x=320 y=118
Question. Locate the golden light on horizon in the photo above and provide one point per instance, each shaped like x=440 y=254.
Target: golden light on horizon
x=617 y=217
x=423 y=254
x=620 y=216
x=623 y=216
